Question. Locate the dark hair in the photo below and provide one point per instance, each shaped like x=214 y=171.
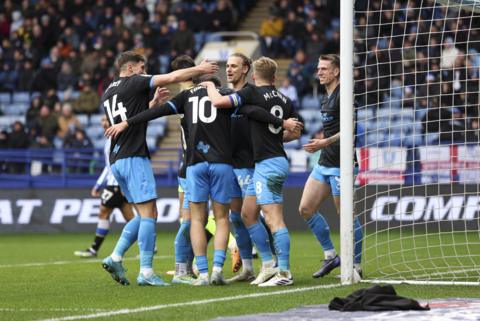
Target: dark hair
x=128 y=56
x=182 y=62
x=211 y=78
x=333 y=58
x=245 y=60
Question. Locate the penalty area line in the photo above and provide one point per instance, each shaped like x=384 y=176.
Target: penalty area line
x=190 y=303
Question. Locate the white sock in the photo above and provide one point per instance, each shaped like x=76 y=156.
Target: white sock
x=180 y=268
x=357 y=266
x=116 y=258
x=247 y=264
x=147 y=272
x=330 y=254
x=268 y=264
x=217 y=269
x=204 y=275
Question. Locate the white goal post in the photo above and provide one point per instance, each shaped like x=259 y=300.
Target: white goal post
x=410 y=110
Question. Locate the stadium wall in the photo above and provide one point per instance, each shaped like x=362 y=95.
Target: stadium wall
x=74 y=210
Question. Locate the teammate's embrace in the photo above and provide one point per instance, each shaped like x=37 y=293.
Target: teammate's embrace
x=271 y=168
x=125 y=97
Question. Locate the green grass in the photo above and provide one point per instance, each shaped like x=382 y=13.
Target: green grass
x=71 y=288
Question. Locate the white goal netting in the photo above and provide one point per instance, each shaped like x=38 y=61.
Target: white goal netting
x=417 y=89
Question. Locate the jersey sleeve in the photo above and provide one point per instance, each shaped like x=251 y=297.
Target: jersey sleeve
x=241 y=97
x=152 y=113
x=261 y=115
x=140 y=83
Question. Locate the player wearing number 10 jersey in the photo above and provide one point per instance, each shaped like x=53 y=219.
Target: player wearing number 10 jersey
x=125 y=97
x=271 y=168
x=209 y=170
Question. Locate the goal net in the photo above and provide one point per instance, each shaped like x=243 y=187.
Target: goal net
x=416 y=92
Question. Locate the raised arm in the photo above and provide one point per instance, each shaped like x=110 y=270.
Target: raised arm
x=145 y=116
x=263 y=116
x=216 y=98
x=205 y=67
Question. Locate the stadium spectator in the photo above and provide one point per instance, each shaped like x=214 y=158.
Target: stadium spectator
x=183 y=41
x=270 y=33
x=290 y=91
x=66 y=79
x=18 y=138
x=293 y=35
x=8 y=78
x=221 y=17
x=46 y=123
x=33 y=111
x=79 y=160
x=67 y=121
x=87 y=102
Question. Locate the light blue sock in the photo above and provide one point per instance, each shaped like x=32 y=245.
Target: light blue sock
x=358 y=240
x=146 y=241
x=183 y=244
x=244 y=242
x=202 y=263
x=128 y=237
x=320 y=228
x=270 y=236
x=282 y=246
x=259 y=236
x=219 y=258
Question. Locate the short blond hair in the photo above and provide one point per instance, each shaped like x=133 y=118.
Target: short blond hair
x=265 y=68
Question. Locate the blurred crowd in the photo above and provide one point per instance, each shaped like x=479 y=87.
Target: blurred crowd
x=422 y=55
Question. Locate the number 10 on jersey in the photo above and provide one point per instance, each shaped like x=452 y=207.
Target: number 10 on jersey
x=114 y=110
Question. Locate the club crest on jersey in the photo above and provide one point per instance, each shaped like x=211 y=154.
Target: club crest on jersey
x=201 y=146
x=326 y=117
x=116 y=148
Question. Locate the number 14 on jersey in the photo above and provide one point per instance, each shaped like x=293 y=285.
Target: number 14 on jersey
x=114 y=110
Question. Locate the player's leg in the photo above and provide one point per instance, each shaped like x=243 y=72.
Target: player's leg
x=221 y=176
x=198 y=190
x=113 y=263
x=269 y=179
x=358 y=234
x=316 y=190
x=241 y=242
x=183 y=244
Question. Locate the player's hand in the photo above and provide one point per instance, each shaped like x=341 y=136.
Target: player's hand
x=207 y=84
x=316 y=144
x=95 y=192
x=292 y=125
x=161 y=96
x=115 y=130
x=208 y=67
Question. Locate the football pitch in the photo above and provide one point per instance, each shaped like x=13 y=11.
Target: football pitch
x=42 y=280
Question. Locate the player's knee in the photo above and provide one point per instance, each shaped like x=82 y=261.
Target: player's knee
x=305 y=211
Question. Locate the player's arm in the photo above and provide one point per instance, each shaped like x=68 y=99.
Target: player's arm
x=166 y=109
x=216 y=98
x=95 y=192
x=205 y=67
x=316 y=144
x=261 y=115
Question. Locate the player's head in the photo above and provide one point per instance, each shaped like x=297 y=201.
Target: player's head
x=264 y=69
x=238 y=66
x=105 y=123
x=182 y=62
x=130 y=63
x=328 y=69
x=211 y=78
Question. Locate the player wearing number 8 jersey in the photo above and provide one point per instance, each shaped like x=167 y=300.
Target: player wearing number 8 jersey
x=271 y=168
x=125 y=97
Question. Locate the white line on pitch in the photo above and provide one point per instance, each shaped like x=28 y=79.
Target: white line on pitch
x=51 y=310
x=183 y=304
x=4 y=266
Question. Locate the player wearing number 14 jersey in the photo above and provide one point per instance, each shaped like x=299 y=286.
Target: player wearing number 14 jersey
x=271 y=168
x=125 y=97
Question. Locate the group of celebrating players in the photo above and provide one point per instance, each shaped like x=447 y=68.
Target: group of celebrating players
x=233 y=162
